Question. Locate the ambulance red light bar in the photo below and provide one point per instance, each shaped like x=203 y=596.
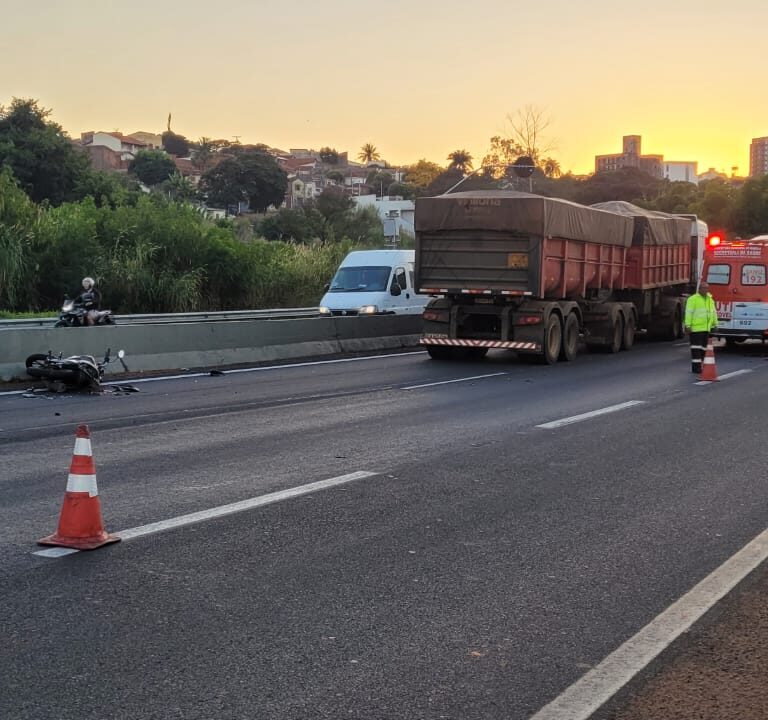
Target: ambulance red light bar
x=714 y=240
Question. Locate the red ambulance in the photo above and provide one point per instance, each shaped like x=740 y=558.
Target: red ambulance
x=738 y=280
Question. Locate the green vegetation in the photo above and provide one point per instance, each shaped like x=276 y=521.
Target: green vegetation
x=150 y=255
x=159 y=252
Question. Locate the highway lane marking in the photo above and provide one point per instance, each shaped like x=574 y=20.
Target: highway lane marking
x=602 y=682
x=588 y=415
x=245 y=370
x=223 y=510
x=724 y=377
x=457 y=380
x=269 y=367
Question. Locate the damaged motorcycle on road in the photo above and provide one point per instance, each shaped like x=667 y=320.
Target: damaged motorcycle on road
x=74 y=372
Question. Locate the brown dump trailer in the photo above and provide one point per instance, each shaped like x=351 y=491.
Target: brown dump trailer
x=533 y=274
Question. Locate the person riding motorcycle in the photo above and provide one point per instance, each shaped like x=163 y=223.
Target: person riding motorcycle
x=90 y=299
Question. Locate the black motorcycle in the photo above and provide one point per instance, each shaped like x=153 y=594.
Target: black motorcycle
x=76 y=371
x=73 y=314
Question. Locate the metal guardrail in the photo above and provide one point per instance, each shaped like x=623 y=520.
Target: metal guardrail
x=173 y=318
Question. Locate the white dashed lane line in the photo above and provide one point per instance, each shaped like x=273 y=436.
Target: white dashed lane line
x=222 y=510
x=589 y=415
x=457 y=380
x=724 y=377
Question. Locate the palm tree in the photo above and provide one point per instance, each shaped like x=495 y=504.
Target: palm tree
x=460 y=160
x=201 y=156
x=368 y=153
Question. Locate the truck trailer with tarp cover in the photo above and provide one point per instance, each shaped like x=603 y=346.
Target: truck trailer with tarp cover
x=533 y=274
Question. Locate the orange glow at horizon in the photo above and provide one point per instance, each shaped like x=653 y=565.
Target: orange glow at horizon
x=415 y=82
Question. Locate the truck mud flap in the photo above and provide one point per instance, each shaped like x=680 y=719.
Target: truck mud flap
x=502 y=344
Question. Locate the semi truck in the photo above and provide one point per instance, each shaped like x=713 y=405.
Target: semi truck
x=536 y=275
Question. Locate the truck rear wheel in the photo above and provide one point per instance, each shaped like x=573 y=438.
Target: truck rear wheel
x=553 y=340
x=617 y=334
x=476 y=353
x=629 y=333
x=441 y=352
x=570 y=346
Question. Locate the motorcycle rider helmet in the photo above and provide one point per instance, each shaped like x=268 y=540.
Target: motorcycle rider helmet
x=88 y=283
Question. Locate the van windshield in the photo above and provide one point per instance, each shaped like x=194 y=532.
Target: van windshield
x=371 y=278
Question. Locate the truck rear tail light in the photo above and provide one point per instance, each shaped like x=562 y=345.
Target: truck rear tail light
x=527 y=320
x=436 y=315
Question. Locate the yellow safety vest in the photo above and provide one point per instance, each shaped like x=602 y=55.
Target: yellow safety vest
x=700 y=313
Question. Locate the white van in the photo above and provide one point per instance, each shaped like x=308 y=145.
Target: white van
x=374 y=282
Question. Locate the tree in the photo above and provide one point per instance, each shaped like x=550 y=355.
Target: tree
x=444 y=181
x=333 y=205
x=288 y=224
x=379 y=182
x=252 y=176
x=152 y=166
x=628 y=184
x=336 y=175
x=461 y=160
x=329 y=156
x=551 y=168
x=527 y=130
x=406 y=191
x=38 y=152
x=178 y=187
x=368 y=153
x=422 y=173
x=203 y=154
x=175 y=144
x=749 y=212
x=502 y=153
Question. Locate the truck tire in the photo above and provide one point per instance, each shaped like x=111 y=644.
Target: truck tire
x=678 y=331
x=570 y=347
x=476 y=353
x=553 y=340
x=441 y=352
x=617 y=334
x=628 y=339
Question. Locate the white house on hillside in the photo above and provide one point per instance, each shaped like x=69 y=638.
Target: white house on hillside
x=394 y=212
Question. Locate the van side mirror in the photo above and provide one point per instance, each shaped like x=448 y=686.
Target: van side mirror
x=326 y=287
x=395 y=289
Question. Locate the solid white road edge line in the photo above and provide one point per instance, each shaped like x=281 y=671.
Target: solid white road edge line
x=724 y=377
x=230 y=509
x=586 y=416
x=595 y=688
x=266 y=368
x=457 y=380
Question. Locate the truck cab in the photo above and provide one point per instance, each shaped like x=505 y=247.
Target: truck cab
x=737 y=273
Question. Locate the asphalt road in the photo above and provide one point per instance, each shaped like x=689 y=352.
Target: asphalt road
x=482 y=567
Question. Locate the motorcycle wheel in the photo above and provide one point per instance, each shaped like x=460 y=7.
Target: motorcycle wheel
x=60 y=323
x=35 y=359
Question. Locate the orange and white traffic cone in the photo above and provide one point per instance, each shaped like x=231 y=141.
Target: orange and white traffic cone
x=708 y=369
x=80 y=523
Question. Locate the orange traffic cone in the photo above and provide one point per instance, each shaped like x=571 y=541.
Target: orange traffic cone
x=708 y=370
x=80 y=524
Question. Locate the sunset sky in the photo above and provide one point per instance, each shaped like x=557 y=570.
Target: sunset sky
x=416 y=78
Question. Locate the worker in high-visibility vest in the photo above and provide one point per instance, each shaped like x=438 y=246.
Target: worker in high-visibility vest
x=700 y=320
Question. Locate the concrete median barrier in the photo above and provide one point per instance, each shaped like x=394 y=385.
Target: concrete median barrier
x=210 y=344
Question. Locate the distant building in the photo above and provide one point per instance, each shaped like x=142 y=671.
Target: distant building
x=681 y=171
x=631 y=157
x=712 y=174
x=758 y=157
x=153 y=141
x=391 y=208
